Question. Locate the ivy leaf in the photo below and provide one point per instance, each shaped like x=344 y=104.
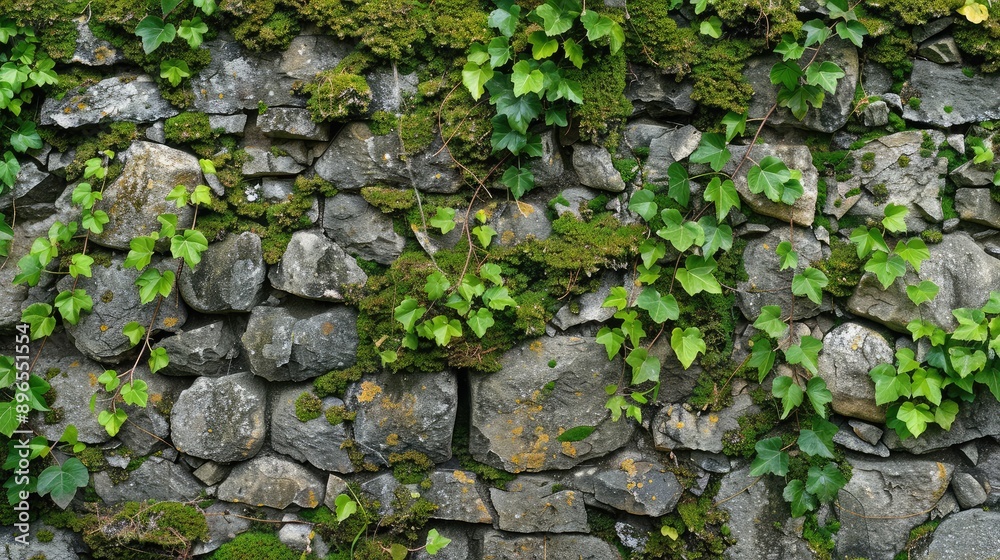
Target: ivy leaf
x=80 y=265
x=716 y=236
x=644 y=367
x=927 y=383
x=484 y=234
x=39 y=318
x=681 y=234
x=906 y=360
x=134 y=332
x=913 y=251
x=945 y=413
x=526 y=79
x=444 y=220
x=612 y=339
x=724 y=195
x=631 y=326
x=442 y=330
x=812 y=445
x=825 y=483
x=542 y=46
x=30 y=270
x=886 y=268
x=762 y=358
x=94 y=221
x=189 y=245
x=651 y=250
x=174 y=70
x=643 y=204
x=617 y=298
x=770 y=458
x=498 y=298
x=152 y=282
x=810 y=283
x=768 y=177
x=854 y=32
x=650 y=274
x=735 y=125
x=140 y=252
x=894 y=219
x=806 y=353
x=687 y=344
x=971 y=325
x=868 y=240
x=474 y=78
x=135 y=392
x=789 y=257
x=801 y=501
x=480 y=321
x=922 y=293
x=435 y=542
x=789 y=48
x=711 y=27
x=154 y=32
x=660 y=308
x=680 y=185
x=558 y=18
x=158 y=359
x=112 y=422
x=920 y=329
x=786 y=389
x=437 y=284
x=519 y=180
x=991 y=378
x=25 y=137
x=966 y=360
x=712 y=150
x=504 y=19
x=574 y=52
x=787 y=74
x=9 y=167
x=491 y=272
x=915 y=416
x=71 y=303
x=819 y=395
x=798 y=100
x=696 y=275
x=824 y=75
x=459 y=303
x=471 y=287
x=344 y=506
x=60 y=482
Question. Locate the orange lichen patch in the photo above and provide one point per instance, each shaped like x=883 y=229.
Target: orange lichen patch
x=528 y=461
x=570 y=497
x=517 y=431
x=630 y=486
x=628 y=465
x=326 y=328
x=155 y=398
x=392 y=440
x=507 y=237
x=313 y=502
x=169 y=322
x=92 y=379
x=713 y=418
x=536 y=346
x=680 y=425
x=74 y=363
x=104 y=328
x=369 y=391
x=568 y=449
x=463 y=478
x=525 y=209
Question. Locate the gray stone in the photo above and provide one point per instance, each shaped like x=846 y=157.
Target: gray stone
x=315 y=267
x=498 y=545
x=971 y=99
x=389 y=88
x=923 y=32
x=292 y=123
x=635 y=484
x=228 y=124
x=35 y=192
x=657 y=94
x=221 y=419
x=588 y=306
x=893 y=101
x=230 y=277
x=676 y=428
x=940 y=50
x=971 y=175
x=968 y=491
x=383 y=488
x=225 y=521
x=263 y=163
x=457 y=549
x=964 y=273
x=976 y=206
x=156 y=133
x=121 y=98
x=852 y=441
x=594 y=168
x=236 y=80
x=300 y=340
x=308 y=55
x=296 y=534
x=711 y=462
x=148 y=427
x=315 y=441
x=156 y=479
x=668 y=148
x=211 y=473
x=548 y=169
x=457 y=498
x=849 y=352
x=65 y=544
x=867 y=432
x=545 y=387
x=361 y=229
x=875 y=78
x=71 y=384
x=968 y=535
x=973 y=421
x=577 y=198
x=894 y=496
x=970 y=450
x=205 y=350
x=531 y=506
x=91 y=51
x=803 y=211
x=139 y=195
x=405 y=412
x=335 y=486
x=518 y=221
x=876 y=114
x=272 y=481
x=275 y=189
x=116 y=303
x=640 y=133
x=766 y=284
x=837 y=107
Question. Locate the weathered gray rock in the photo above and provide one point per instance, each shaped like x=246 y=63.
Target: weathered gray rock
x=148 y=427
x=633 y=484
x=357 y=158
x=971 y=175
x=967 y=535
x=405 y=412
x=758 y=519
x=116 y=303
x=70 y=377
x=315 y=267
x=156 y=479
x=457 y=549
x=594 y=168
x=292 y=123
x=940 y=50
x=971 y=99
x=228 y=124
x=968 y=491
x=297 y=534
x=836 y=107
x=221 y=419
x=389 y=88
x=308 y=55
x=894 y=495
x=35 y=192
x=851 y=441
x=335 y=486
x=263 y=163
x=212 y=473
x=237 y=80
x=876 y=114
x=803 y=211
x=230 y=277
x=91 y=51
x=315 y=441
x=657 y=94
x=519 y=221
x=766 y=284
x=964 y=273
x=548 y=169
x=225 y=521
x=974 y=421
x=498 y=545
x=300 y=340
x=976 y=206
x=849 y=352
x=897 y=169
x=139 y=196
x=272 y=481
x=577 y=198
x=383 y=488
x=588 y=306
x=545 y=387
x=667 y=148
x=65 y=544
x=921 y=33
x=361 y=229
x=205 y=350
x=675 y=427
x=641 y=132
x=531 y=506
x=457 y=498
x=120 y=98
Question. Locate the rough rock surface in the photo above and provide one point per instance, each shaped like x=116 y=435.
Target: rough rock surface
x=155 y=479
x=314 y=267
x=272 y=481
x=519 y=221
x=71 y=384
x=531 y=506
x=976 y=206
x=237 y=80
x=315 y=441
x=221 y=419
x=968 y=535
x=849 y=352
x=292 y=123
x=505 y=546
x=675 y=427
x=632 y=483
x=594 y=168
x=803 y=211
x=455 y=493
x=971 y=99
x=230 y=277
x=123 y=98
x=204 y=350
x=766 y=284
x=361 y=229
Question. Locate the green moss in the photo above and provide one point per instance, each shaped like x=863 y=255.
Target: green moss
x=255 y=546
x=259 y=26
x=93 y=459
x=700 y=527
x=116 y=137
x=335 y=383
x=382 y=123
x=914 y=12
x=753 y=427
x=903 y=161
x=44 y=536
x=914 y=102
x=843 y=268
x=53 y=22
x=652 y=35
x=932 y=236
x=389 y=199
x=410 y=467
x=820 y=537
x=628 y=168
x=760 y=18
x=308 y=407
x=718 y=74
x=880 y=193
x=605 y=110
x=335 y=95
x=138 y=531
x=338 y=414
x=188 y=127
x=982 y=40
x=389 y=29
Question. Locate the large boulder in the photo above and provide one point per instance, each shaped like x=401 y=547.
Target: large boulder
x=221 y=419
x=315 y=441
x=230 y=277
x=967 y=535
x=273 y=481
x=971 y=99
x=631 y=482
x=456 y=496
x=545 y=387
x=314 y=267
x=361 y=229
x=849 y=352
x=300 y=340
x=963 y=272
x=119 y=98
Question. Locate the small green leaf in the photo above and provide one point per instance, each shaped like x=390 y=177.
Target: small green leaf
x=112 y=422
x=174 y=70
x=770 y=458
x=791 y=395
x=735 y=125
x=158 y=359
x=945 y=414
x=768 y=177
x=578 y=433
x=806 y=353
x=526 y=79
x=558 y=18
x=762 y=358
x=811 y=444
x=189 y=245
x=789 y=48
x=207 y=166
x=491 y=272
x=437 y=284
x=94 y=221
x=866 y=241
x=660 y=308
x=474 y=78
x=30 y=270
x=801 y=501
x=965 y=360
x=770 y=321
x=927 y=383
x=154 y=32
x=913 y=251
x=915 y=416
x=542 y=46
x=631 y=326
x=687 y=344
x=135 y=392
x=480 y=321
x=71 y=303
x=39 y=318
x=787 y=74
x=922 y=293
x=810 y=283
x=387 y=357
x=724 y=195
x=444 y=219
x=680 y=184
x=819 y=395
x=484 y=234
x=80 y=265
x=886 y=268
x=435 y=542
x=651 y=250
x=140 y=252
x=825 y=75
x=345 y=507
x=789 y=257
x=644 y=367
x=617 y=298
x=971 y=325
x=711 y=27
x=697 y=275
x=60 y=482
x=574 y=52
x=854 y=32
x=152 y=283
x=519 y=180
x=498 y=297
x=712 y=150
x=612 y=339
x=825 y=483
x=895 y=215
x=816 y=32
x=643 y=204
x=680 y=233
x=889 y=386
x=134 y=332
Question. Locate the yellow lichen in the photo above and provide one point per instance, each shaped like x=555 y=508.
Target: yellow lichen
x=369 y=391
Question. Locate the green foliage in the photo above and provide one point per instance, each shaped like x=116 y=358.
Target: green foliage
x=337 y=95
x=255 y=545
x=308 y=406
x=136 y=531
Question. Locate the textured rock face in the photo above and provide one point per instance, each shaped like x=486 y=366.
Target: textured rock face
x=972 y=99
x=236 y=80
x=361 y=229
x=230 y=277
x=504 y=546
x=125 y=98
x=766 y=284
x=676 y=427
x=803 y=211
x=272 y=481
x=518 y=414
x=850 y=351
x=455 y=493
x=531 y=506
x=72 y=387
x=221 y=419
x=315 y=267
x=155 y=479
x=968 y=534
x=315 y=441
x=593 y=167
x=205 y=350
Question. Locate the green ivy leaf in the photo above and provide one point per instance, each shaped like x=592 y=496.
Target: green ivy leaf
x=519 y=180
x=85 y=196
x=768 y=177
x=526 y=79
x=810 y=283
x=631 y=326
x=140 y=252
x=660 y=308
x=825 y=483
x=770 y=322
x=435 y=542
x=154 y=32
x=8 y=372
x=189 y=245
x=886 y=268
x=971 y=325
x=711 y=27
x=491 y=272
x=945 y=414
x=480 y=321
x=786 y=389
x=825 y=75
x=474 y=78
x=135 y=392
x=134 y=332
x=442 y=330
x=542 y=46
x=499 y=298
x=71 y=303
x=680 y=185
x=9 y=167
x=915 y=416
x=31 y=270
x=612 y=339
x=687 y=344
x=991 y=378
x=806 y=353
x=789 y=48
x=854 y=32
x=735 y=125
x=913 y=251
x=798 y=100
x=25 y=138
x=787 y=74
x=60 y=482
x=152 y=282
x=965 y=360
x=574 y=52
x=158 y=359
x=866 y=241
x=112 y=422
x=174 y=70
x=894 y=219
x=437 y=284
x=889 y=386
x=444 y=220
x=558 y=18
x=927 y=383
x=643 y=203
x=762 y=357
x=724 y=195
x=812 y=445
x=697 y=275
x=770 y=458
x=712 y=150
x=651 y=250
x=617 y=298
x=484 y=234
x=789 y=257
x=919 y=329
x=819 y=395
x=504 y=19
x=168 y=225
x=717 y=237
x=471 y=287
x=681 y=234
x=801 y=501
x=202 y=194
x=459 y=303
x=816 y=32
x=923 y=292
x=345 y=506
x=644 y=367
x=39 y=318
x=80 y=265
x=94 y=221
